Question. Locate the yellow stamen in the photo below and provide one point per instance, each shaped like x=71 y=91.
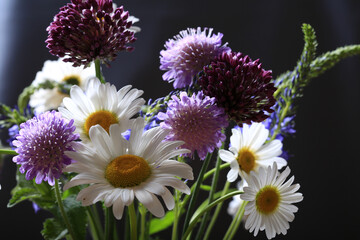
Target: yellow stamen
x=246 y=160
x=72 y=79
x=267 y=199
x=102 y=117
x=127 y=171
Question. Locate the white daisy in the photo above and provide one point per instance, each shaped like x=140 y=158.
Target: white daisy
x=60 y=72
x=119 y=170
x=270 y=201
x=101 y=104
x=248 y=151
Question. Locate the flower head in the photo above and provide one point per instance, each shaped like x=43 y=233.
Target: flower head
x=85 y=30
x=241 y=86
x=101 y=104
x=119 y=170
x=248 y=151
x=188 y=53
x=58 y=73
x=41 y=144
x=196 y=120
x=271 y=201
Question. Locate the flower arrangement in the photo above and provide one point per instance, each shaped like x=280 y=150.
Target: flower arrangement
x=94 y=155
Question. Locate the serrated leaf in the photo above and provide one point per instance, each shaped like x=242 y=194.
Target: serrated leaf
x=160 y=224
x=21 y=194
x=77 y=216
x=54 y=229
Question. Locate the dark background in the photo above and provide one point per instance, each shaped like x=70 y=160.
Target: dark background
x=325 y=147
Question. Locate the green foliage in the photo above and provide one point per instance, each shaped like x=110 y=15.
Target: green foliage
x=160 y=224
x=53 y=229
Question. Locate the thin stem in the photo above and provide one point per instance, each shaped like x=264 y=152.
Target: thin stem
x=195 y=193
x=176 y=215
x=238 y=221
x=143 y=213
x=109 y=223
x=94 y=224
x=8 y=151
x=211 y=196
x=62 y=210
x=211 y=205
x=216 y=213
x=283 y=115
x=235 y=222
x=133 y=227
x=98 y=70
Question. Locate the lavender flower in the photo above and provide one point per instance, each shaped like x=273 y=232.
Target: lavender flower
x=85 y=30
x=241 y=86
x=41 y=144
x=197 y=121
x=188 y=53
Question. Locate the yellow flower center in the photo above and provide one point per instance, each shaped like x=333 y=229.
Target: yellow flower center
x=246 y=160
x=72 y=79
x=127 y=171
x=102 y=117
x=267 y=199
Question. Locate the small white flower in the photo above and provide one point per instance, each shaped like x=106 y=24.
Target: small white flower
x=248 y=151
x=60 y=72
x=101 y=104
x=119 y=170
x=270 y=205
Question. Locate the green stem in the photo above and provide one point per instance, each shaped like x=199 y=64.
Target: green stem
x=195 y=193
x=211 y=196
x=176 y=215
x=238 y=221
x=211 y=205
x=282 y=116
x=95 y=222
x=217 y=211
x=98 y=70
x=109 y=223
x=62 y=210
x=235 y=222
x=143 y=213
x=133 y=227
x=8 y=151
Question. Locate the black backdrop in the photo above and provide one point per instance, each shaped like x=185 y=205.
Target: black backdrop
x=325 y=161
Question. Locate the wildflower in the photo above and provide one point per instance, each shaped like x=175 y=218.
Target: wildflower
x=271 y=201
x=85 y=30
x=248 y=151
x=188 y=53
x=197 y=121
x=101 y=104
x=119 y=170
x=41 y=144
x=60 y=73
x=241 y=86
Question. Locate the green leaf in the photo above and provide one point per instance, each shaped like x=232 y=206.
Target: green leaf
x=21 y=194
x=77 y=216
x=53 y=229
x=160 y=224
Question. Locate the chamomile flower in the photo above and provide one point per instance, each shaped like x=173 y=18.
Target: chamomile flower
x=248 y=151
x=101 y=104
x=236 y=201
x=119 y=170
x=57 y=72
x=270 y=206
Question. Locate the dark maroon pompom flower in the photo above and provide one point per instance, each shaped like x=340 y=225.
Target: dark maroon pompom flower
x=241 y=86
x=85 y=30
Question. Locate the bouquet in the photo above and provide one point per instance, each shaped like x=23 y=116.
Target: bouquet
x=109 y=165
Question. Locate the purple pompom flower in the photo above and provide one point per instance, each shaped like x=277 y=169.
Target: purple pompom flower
x=188 y=53
x=197 y=121
x=85 y=30
x=41 y=144
x=241 y=86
